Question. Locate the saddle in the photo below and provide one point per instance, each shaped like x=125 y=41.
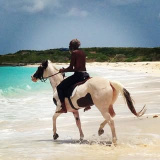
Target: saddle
x=68 y=92
x=71 y=89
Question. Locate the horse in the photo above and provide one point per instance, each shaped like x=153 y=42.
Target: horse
x=102 y=92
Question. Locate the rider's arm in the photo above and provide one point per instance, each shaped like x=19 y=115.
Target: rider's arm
x=72 y=63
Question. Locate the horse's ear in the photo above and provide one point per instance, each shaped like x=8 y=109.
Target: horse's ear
x=45 y=64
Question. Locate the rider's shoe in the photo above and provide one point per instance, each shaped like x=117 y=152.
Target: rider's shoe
x=63 y=109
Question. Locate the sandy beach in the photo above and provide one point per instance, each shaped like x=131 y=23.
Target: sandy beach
x=138 y=138
x=151 y=68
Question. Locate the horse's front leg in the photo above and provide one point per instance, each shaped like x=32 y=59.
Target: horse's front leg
x=78 y=122
x=55 y=135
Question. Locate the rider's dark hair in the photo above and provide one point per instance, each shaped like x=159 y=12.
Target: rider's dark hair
x=74 y=44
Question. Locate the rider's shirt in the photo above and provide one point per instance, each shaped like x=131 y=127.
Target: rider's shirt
x=78 y=62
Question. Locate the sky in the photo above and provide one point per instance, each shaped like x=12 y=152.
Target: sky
x=49 y=24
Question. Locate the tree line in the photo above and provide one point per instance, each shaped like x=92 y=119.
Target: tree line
x=94 y=54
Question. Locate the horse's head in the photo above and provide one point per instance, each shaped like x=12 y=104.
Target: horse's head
x=41 y=72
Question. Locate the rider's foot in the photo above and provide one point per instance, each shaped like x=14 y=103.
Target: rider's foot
x=63 y=109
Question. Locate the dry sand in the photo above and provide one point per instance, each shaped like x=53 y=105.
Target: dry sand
x=150 y=68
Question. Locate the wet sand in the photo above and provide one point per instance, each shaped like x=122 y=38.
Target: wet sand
x=138 y=138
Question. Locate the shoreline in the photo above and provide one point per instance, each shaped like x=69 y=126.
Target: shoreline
x=149 y=67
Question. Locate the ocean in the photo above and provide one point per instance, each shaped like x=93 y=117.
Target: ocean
x=26 y=111
x=18 y=93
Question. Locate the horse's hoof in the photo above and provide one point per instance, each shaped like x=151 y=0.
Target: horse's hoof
x=114 y=141
x=81 y=139
x=100 y=132
x=55 y=136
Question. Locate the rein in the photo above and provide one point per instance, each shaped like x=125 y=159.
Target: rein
x=51 y=75
x=45 y=78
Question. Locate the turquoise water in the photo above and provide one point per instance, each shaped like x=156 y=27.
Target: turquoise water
x=16 y=81
x=20 y=98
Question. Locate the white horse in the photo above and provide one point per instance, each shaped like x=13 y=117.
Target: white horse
x=102 y=92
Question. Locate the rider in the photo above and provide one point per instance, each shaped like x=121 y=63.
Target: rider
x=78 y=66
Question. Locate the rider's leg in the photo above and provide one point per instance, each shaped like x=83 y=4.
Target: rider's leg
x=64 y=85
x=61 y=88
x=61 y=97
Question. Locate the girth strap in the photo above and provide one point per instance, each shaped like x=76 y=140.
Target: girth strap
x=71 y=103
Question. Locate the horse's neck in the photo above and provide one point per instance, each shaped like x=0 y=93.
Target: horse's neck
x=54 y=80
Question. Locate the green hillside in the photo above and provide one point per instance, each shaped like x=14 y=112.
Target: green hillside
x=96 y=54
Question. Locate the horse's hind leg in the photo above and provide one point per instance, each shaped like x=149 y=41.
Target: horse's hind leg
x=112 y=113
x=109 y=120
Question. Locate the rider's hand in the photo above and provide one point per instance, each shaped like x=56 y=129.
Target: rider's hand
x=61 y=70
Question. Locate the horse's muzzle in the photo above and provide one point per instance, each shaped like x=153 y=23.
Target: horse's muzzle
x=33 y=79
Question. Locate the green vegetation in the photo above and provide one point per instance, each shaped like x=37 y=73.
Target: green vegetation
x=96 y=54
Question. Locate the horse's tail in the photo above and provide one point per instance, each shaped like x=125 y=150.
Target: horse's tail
x=119 y=87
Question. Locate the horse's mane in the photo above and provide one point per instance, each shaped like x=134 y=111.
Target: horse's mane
x=57 y=69
x=54 y=67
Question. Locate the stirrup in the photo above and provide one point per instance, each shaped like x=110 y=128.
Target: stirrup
x=62 y=111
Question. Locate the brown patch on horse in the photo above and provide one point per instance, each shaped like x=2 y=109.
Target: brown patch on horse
x=85 y=101
x=111 y=111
